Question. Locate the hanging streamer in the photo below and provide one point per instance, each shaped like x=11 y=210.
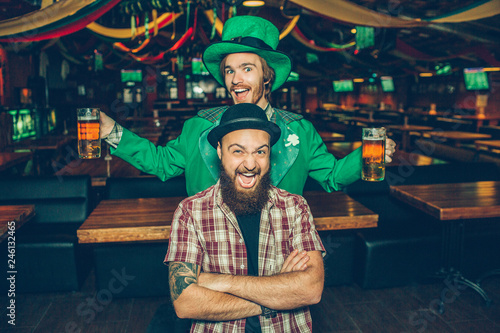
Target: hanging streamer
x=154 y=13
x=163 y=21
x=212 y=35
x=289 y=27
x=195 y=22
x=173 y=32
x=132 y=26
x=56 y=27
x=122 y=47
x=188 y=10
x=153 y=59
x=146 y=25
x=218 y=24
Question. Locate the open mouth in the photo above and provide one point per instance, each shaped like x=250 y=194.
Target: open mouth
x=241 y=93
x=247 y=180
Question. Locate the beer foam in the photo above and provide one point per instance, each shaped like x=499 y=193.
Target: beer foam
x=88 y=117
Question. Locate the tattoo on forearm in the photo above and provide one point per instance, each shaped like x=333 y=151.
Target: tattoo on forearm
x=181 y=275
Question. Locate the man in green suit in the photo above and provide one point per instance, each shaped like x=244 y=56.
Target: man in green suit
x=247 y=63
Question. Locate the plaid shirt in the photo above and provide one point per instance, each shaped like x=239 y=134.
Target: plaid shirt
x=206 y=233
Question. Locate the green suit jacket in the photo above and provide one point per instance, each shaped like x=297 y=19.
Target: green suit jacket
x=300 y=152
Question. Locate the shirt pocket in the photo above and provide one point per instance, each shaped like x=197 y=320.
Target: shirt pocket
x=217 y=257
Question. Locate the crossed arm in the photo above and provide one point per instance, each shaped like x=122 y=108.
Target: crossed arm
x=221 y=297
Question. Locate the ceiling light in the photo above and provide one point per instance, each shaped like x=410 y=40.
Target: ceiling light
x=425 y=74
x=359 y=80
x=253 y=3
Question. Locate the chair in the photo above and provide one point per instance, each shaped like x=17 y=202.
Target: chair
x=48 y=256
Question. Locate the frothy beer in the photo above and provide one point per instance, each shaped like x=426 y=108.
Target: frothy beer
x=373 y=154
x=89 y=140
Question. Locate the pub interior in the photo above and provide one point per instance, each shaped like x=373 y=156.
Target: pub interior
x=83 y=240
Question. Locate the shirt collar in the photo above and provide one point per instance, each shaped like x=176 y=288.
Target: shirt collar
x=271 y=115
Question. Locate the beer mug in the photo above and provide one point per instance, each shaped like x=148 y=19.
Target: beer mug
x=89 y=138
x=373 y=154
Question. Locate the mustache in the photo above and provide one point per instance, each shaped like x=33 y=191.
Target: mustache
x=243 y=170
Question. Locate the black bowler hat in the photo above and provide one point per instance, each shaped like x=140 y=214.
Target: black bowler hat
x=243 y=116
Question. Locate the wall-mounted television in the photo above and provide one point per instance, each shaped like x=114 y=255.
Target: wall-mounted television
x=365 y=37
x=24 y=124
x=387 y=83
x=343 y=86
x=131 y=75
x=198 y=68
x=476 y=79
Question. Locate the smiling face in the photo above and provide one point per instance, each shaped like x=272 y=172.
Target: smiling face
x=244 y=78
x=244 y=155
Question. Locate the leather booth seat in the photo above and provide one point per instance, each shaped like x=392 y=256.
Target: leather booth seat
x=141 y=262
x=48 y=256
x=406 y=246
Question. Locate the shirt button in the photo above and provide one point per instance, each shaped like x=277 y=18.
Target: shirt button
x=241 y=240
x=242 y=266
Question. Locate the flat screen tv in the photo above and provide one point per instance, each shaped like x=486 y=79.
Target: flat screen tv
x=131 y=75
x=343 y=86
x=476 y=79
x=24 y=124
x=365 y=37
x=387 y=83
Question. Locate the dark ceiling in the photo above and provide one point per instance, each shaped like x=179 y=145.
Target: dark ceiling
x=460 y=45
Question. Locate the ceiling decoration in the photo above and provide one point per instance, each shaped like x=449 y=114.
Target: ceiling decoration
x=352 y=13
x=409 y=36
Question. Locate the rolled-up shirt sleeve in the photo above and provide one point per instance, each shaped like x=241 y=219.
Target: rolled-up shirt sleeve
x=113 y=139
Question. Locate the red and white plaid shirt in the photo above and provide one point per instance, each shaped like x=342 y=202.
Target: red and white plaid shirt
x=205 y=232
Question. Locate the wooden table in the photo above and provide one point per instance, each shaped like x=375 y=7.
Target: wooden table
x=400 y=157
x=9 y=160
x=19 y=214
x=100 y=169
x=479 y=119
x=331 y=136
x=139 y=220
x=46 y=143
x=338 y=211
x=453 y=203
x=456 y=136
x=488 y=144
x=374 y=122
x=405 y=132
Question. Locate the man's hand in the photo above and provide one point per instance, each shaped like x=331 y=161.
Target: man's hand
x=390 y=149
x=295 y=262
x=107 y=125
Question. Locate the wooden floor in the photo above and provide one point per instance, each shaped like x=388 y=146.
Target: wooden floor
x=342 y=309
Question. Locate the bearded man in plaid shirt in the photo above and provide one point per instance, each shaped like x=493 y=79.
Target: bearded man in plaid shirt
x=244 y=256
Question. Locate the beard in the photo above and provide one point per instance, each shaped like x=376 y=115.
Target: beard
x=257 y=93
x=244 y=203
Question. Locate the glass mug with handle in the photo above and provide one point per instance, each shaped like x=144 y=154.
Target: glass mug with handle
x=373 y=154
x=89 y=137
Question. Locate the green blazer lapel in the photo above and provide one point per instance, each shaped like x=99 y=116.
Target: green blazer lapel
x=284 y=152
x=209 y=153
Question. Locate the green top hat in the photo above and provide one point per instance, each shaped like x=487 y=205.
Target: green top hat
x=249 y=34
